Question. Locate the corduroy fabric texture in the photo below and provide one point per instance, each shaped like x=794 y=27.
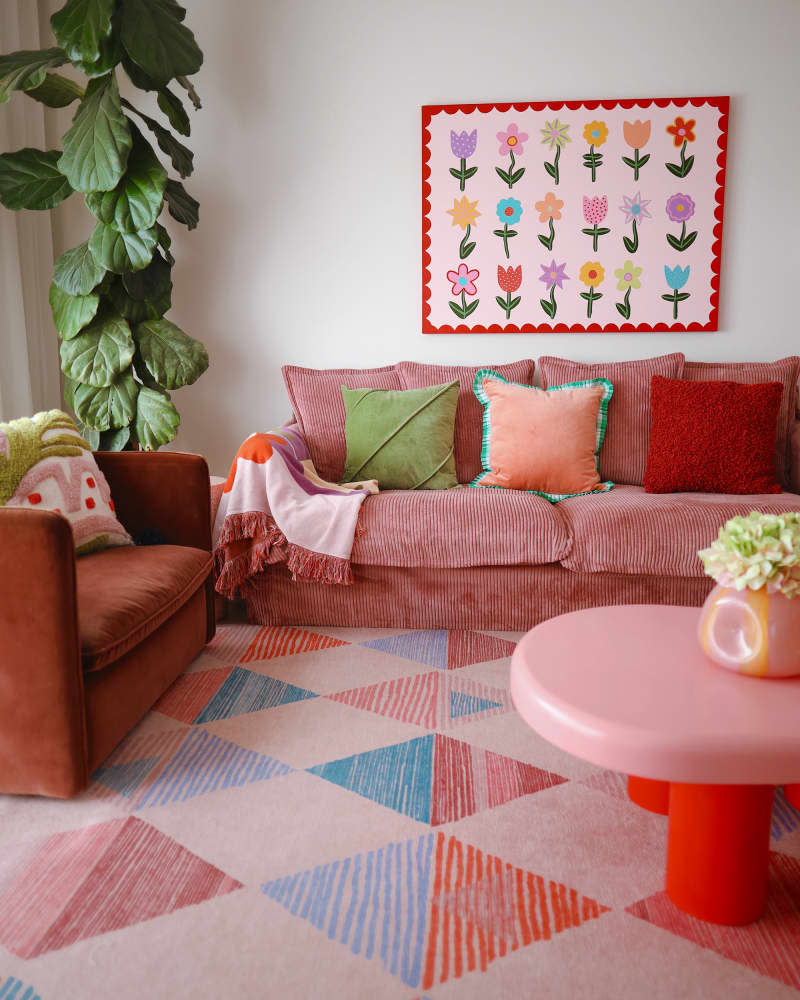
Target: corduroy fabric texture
x=631 y=531
x=468 y=429
x=623 y=457
x=318 y=407
x=712 y=437
x=794 y=457
x=401 y=438
x=786 y=371
x=459 y=528
x=488 y=597
x=542 y=441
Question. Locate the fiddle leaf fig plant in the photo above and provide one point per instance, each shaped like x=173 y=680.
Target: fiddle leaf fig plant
x=120 y=357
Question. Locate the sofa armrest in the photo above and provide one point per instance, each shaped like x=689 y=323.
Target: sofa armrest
x=163 y=491
x=42 y=714
x=794 y=457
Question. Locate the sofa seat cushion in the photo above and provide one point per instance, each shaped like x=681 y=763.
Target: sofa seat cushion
x=124 y=594
x=459 y=527
x=630 y=531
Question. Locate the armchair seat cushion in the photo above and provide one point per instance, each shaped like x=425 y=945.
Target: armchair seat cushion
x=124 y=594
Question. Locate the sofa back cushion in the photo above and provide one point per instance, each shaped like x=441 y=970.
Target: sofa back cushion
x=469 y=428
x=623 y=457
x=786 y=371
x=316 y=397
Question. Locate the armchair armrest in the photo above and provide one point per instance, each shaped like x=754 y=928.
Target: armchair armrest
x=168 y=492
x=42 y=715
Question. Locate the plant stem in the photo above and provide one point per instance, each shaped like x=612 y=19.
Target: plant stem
x=635 y=243
x=683 y=229
x=462 y=181
x=675 y=301
x=594 y=236
x=463 y=304
x=594 y=172
x=462 y=245
x=511 y=171
x=553 y=297
x=627 y=302
x=508 y=305
x=552 y=233
x=589 y=302
x=635 y=171
x=555 y=163
x=683 y=157
x=505 y=238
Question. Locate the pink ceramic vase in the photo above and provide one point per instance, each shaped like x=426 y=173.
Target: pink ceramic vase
x=752 y=632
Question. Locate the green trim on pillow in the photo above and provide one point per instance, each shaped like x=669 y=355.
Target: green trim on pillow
x=600 y=433
x=401 y=437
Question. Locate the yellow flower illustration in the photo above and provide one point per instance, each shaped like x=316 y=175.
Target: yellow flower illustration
x=596 y=133
x=592 y=274
x=464 y=212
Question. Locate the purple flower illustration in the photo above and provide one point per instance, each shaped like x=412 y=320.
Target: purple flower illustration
x=680 y=208
x=552 y=274
x=463 y=144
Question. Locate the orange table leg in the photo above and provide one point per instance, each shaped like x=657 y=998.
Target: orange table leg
x=718 y=850
x=649 y=794
x=792 y=793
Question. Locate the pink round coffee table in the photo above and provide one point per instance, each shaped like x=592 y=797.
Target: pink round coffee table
x=629 y=688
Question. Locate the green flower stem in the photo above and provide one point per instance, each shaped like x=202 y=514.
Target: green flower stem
x=463 y=245
x=683 y=229
x=511 y=172
x=632 y=245
x=553 y=297
x=462 y=181
x=594 y=173
x=508 y=305
x=555 y=163
x=635 y=173
x=547 y=241
x=683 y=158
x=675 y=299
x=627 y=302
x=595 y=233
x=463 y=304
x=590 y=301
x=505 y=236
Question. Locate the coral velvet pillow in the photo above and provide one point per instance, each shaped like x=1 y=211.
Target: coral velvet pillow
x=542 y=441
x=46 y=465
x=712 y=437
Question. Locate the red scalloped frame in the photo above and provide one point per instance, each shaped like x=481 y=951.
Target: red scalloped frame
x=721 y=103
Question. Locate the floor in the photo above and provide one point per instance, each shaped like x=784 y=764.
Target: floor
x=353 y=813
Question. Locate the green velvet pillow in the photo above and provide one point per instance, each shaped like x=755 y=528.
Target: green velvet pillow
x=401 y=437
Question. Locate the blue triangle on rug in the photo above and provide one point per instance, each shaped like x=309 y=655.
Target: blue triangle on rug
x=428 y=647
x=245 y=691
x=469 y=704
x=398 y=776
x=124 y=779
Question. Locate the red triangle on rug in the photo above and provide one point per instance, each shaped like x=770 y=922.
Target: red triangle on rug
x=273 y=641
x=465 y=648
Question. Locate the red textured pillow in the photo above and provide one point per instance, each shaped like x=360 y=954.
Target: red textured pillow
x=712 y=437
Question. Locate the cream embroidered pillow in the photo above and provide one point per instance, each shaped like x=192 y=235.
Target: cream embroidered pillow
x=45 y=464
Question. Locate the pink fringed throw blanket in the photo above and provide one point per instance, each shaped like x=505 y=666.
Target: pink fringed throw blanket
x=275 y=508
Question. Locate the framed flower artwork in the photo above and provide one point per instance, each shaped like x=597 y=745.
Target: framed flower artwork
x=573 y=215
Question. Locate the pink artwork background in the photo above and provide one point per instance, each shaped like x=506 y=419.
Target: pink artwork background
x=443 y=234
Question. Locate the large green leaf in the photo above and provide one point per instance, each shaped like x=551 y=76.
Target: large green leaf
x=26 y=70
x=121 y=252
x=182 y=206
x=99 y=353
x=181 y=156
x=173 y=108
x=89 y=435
x=76 y=271
x=153 y=282
x=109 y=406
x=135 y=202
x=30 y=178
x=71 y=313
x=139 y=79
x=110 y=55
x=56 y=91
x=96 y=148
x=137 y=310
x=81 y=25
x=157 y=41
x=157 y=420
x=172 y=358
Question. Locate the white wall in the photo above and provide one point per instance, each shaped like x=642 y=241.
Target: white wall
x=308 y=175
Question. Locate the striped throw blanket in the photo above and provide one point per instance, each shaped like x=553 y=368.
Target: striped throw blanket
x=275 y=508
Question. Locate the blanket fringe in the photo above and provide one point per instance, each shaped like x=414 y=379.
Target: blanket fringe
x=307 y=566
x=234 y=573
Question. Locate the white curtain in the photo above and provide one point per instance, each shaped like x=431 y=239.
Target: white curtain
x=29 y=368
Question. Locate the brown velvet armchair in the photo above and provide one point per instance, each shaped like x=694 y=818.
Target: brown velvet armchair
x=88 y=645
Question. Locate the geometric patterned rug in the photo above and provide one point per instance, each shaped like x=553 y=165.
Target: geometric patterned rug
x=361 y=813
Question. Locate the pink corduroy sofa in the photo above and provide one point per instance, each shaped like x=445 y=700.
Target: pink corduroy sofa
x=506 y=560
